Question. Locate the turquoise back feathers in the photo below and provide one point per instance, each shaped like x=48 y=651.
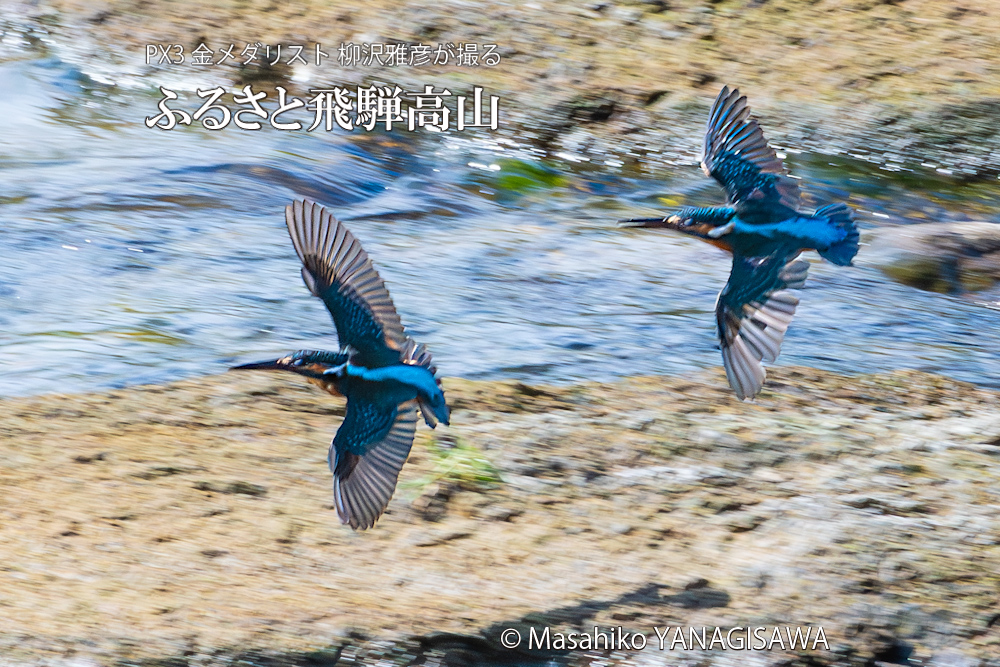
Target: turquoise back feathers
x=389 y=378
x=765 y=232
x=386 y=376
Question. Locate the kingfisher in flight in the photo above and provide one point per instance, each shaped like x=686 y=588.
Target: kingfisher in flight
x=384 y=374
x=765 y=232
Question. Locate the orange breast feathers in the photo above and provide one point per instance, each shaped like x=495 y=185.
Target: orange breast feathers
x=701 y=231
x=721 y=243
x=328 y=387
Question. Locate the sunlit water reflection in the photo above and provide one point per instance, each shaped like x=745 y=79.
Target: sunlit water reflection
x=133 y=255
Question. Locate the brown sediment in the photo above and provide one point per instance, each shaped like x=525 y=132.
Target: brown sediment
x=194 y=520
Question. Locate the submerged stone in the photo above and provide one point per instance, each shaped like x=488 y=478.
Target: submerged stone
x=937 y=256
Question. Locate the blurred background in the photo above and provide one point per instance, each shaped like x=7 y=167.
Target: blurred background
x=137 y=256
x=175 y=237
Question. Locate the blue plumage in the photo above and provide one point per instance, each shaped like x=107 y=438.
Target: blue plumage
x=816 y=232
x=844 y=244
x=361 y=332
x=764 y=230
x=385 y=375
x=401 y=382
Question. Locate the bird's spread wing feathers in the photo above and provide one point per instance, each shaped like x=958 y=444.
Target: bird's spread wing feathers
x=752 y=313
x=365 y=470
x=738 y=156
x=337 y=269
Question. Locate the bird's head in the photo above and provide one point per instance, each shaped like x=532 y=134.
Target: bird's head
x=680 y=223
x=309 y=363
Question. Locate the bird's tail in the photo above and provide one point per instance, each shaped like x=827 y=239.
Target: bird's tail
x=433 y=408
x=841 y=217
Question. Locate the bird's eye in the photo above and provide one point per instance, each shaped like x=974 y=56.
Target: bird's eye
x=298 y=362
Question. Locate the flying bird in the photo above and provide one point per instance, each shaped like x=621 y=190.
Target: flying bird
x=384 y=374
x=765 y=232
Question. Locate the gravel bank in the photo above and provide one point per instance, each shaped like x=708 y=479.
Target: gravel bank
x=194 y=521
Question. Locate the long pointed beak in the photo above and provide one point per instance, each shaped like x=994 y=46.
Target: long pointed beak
x=260 y=366
x=670 y=222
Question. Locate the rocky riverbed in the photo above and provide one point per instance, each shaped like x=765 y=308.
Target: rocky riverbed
x=191 y=523
x=898 y=81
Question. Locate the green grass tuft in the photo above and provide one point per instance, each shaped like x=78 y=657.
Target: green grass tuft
x=459 y=462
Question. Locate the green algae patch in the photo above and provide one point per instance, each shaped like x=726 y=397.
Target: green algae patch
x=518 y=177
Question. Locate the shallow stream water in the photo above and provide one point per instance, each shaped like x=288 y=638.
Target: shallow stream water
x=133 y=255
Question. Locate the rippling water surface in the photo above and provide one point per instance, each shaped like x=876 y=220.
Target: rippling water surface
x=133 y=255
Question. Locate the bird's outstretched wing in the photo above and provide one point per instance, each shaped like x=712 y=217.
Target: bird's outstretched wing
x=336 y=269
x=737 y=155
x=366 y=456
x=752 y=313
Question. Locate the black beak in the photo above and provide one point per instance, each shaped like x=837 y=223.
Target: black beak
x=647 y=223
x=260 y=366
